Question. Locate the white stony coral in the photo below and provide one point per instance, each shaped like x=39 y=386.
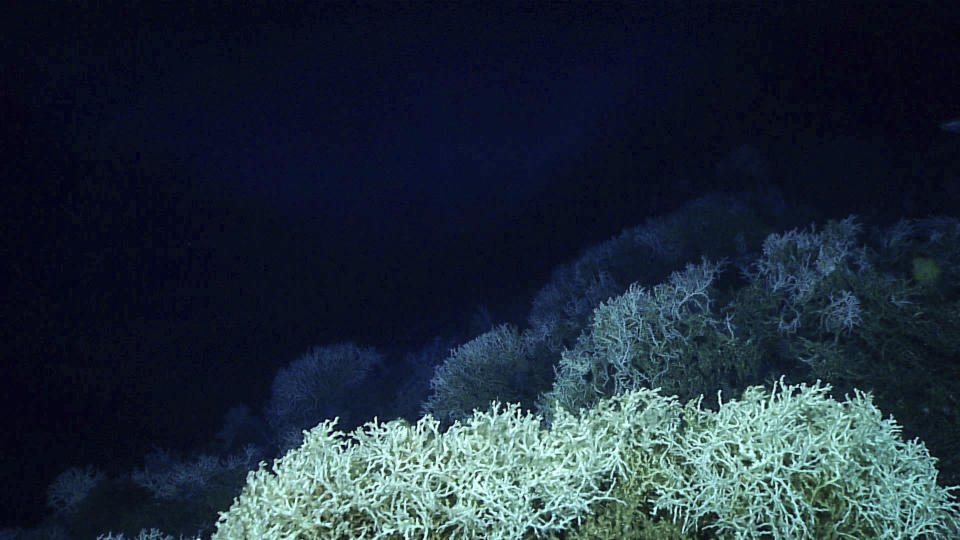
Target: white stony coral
x=71 y=487
x=790 y=463
x=499 y=475
x=794 y=463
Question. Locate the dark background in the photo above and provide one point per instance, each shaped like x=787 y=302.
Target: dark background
x=194 y=193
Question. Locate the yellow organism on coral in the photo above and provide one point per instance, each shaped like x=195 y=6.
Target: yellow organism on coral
x=926 y=271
